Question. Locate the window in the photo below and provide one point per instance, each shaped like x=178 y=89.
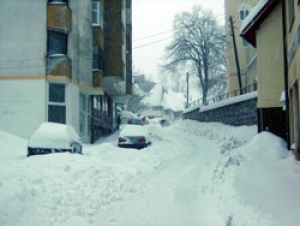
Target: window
x=244 y=10
x=58 y=1
x=57 y=114
x=56 y=106
x=246 y=44
x=243 y=14
x=98 y=14
x=57 y=42
x=57 y=93
x=291 y=10
x=97 y=58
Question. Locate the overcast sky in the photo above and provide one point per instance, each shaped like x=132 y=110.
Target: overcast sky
x=152 y=28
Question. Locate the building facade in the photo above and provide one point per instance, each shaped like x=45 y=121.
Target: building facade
x=54 y=63
x=274 y=31
x=243 y=57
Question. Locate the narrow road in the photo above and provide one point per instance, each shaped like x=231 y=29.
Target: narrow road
x=175 y=194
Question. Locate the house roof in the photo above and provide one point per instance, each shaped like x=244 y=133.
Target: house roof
x=173 y=101
x=252 y=22
x=154 y=98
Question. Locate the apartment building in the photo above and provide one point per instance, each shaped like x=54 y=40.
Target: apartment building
x=241 y=59
x=55 y=64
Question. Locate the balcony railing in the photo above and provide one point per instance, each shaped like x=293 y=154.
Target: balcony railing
x=225 y=96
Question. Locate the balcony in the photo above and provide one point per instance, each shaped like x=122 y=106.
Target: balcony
x=59 y=65
x=59 y=17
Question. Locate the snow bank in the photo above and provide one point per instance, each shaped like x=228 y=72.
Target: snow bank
x=66 y=189
x=251 y=178
x=260 y=178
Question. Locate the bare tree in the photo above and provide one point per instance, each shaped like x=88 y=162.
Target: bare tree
x=199 y=44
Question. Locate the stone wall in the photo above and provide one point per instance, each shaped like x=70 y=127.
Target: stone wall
x=235 y=111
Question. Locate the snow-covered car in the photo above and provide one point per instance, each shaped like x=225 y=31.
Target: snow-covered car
x=134 y=135
x=54 y=137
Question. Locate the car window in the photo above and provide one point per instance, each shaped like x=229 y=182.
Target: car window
x=135 y=122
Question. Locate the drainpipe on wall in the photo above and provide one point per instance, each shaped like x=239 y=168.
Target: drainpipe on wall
x=286 y=73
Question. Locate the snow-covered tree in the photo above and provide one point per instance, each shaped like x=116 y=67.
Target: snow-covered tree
x=199 y=46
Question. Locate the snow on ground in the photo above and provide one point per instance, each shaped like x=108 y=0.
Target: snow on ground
x=193 y=174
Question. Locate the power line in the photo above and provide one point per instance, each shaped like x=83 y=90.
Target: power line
x=151 y=43
x=149 y=36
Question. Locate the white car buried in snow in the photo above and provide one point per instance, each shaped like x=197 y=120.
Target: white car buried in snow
x=134 y=135
x=54 y=137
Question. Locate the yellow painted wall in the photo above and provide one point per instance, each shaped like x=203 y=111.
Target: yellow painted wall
x=270 y=61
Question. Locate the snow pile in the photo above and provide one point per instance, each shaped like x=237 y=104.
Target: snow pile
x=256 y=180
x=263 y=176
x=68 y=189
x=245 y=179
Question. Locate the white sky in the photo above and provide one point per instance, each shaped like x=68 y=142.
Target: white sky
x=152 y=17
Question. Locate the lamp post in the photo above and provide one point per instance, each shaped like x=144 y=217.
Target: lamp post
x=187 y=90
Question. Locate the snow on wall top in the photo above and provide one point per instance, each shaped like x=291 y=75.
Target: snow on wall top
x=229 y=101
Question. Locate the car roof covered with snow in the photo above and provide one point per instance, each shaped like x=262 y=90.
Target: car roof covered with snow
x=53 y=135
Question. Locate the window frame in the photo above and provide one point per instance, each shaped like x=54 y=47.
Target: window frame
x=97 y=12
x=60 y=104
x=51 y=39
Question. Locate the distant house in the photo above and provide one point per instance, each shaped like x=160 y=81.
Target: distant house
x=152 y=103
x=160 y=103
x=173 y=105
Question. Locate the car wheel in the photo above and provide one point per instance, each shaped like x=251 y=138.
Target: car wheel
x=76 y=148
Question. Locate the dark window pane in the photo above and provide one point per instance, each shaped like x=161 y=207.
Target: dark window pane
x=57 y=93
x=57 y=42
x=97 y=57
x=241 y=15
x=57 y=114
x=65 y=1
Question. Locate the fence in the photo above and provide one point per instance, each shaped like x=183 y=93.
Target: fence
x=225 y=96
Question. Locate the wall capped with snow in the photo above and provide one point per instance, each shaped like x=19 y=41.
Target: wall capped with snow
x=241 y=110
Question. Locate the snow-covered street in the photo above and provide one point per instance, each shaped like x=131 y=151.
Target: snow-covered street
x=193 y=174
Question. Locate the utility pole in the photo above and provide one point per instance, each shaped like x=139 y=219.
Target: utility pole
x=236 y=55
x=187 y=90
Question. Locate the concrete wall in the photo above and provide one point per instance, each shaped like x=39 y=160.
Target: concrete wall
x=236 y=111
x=22 y=107
x=18 y=25
x=81 y=42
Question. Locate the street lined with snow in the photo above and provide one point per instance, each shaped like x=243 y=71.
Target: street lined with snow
x=194 y=174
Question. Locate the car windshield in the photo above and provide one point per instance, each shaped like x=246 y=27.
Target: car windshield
x=135 y=122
